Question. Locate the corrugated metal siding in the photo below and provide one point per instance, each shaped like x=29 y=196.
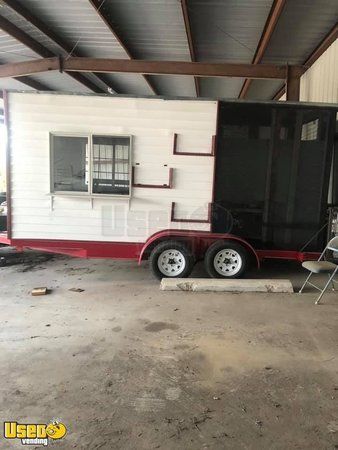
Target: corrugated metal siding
x=152 y=123
x=221 y=87
x=11 y=83
x=78 y=23
x=301 y=27
x=154 y=30
x=61 y=82
x=222 y=32
x=227 y=30
x=263 y=89
x=175 y=85
x=320 y=82
x=28 y=28
x=13 y=51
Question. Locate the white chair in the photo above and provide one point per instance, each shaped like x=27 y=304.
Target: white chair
x=322 y=266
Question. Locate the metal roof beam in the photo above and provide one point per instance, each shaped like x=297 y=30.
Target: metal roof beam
x=103 y=65
x=19 y=9
x=30 y=67
x=31 y=83
x=314 y=55
x=39 y=49
x=98 y=6
x=268 y=30
x=188 y=33
x=199 y=69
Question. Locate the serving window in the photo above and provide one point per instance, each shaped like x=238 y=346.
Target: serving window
x=95 y=164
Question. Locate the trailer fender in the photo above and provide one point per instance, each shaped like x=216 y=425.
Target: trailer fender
x=197 y=239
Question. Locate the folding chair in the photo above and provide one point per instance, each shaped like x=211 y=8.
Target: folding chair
x=322 y=266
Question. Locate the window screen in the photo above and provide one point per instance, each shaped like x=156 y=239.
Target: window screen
x=111 y=165
x=70 y=163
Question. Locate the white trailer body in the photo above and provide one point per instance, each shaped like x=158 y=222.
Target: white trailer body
x=40 y=211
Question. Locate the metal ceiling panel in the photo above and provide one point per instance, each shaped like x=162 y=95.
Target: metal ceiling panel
x=153 y=30
x=12 y=83
x=226 y=31
x=301 y=27
x=28 y=28
x=263 y=89
x=60 y=82
x=220 y=87
x=128 y=83
x=222 y=30
x=13 y=51
x=175 y=85
x=77 y=22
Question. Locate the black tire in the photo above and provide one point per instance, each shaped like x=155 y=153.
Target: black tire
x=230 y=271
x=165 y=246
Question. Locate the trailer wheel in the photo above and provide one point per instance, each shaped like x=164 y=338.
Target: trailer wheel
x=226 y=259
x=171 y=259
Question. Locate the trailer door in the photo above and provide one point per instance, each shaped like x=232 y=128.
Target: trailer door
x=272 y=174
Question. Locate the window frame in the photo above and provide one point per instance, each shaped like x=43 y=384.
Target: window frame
x=89 y=136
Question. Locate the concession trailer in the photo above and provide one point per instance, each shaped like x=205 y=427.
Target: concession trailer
x=170 y=180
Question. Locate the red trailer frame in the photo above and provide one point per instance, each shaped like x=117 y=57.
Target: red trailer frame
x=198 y=241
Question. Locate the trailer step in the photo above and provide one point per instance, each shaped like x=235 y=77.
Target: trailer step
x=220 y=285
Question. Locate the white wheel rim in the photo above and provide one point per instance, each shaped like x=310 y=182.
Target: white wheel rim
x=228 y=262
x=171 y=263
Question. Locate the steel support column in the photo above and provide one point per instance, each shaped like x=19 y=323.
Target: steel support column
x=292 y=84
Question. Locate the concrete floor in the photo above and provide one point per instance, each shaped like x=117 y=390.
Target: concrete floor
x=126 y=366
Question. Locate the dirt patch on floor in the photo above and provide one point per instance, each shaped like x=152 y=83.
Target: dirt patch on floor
x=160 y=326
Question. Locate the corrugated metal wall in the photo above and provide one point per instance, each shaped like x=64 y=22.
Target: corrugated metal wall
x=320 y=82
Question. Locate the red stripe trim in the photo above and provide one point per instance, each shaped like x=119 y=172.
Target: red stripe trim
x=288 y=254
x=135 y=250
x=82 y=249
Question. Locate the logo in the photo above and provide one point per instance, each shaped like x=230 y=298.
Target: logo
x=35 y=433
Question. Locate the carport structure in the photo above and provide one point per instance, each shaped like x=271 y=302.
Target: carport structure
x=166 y=47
